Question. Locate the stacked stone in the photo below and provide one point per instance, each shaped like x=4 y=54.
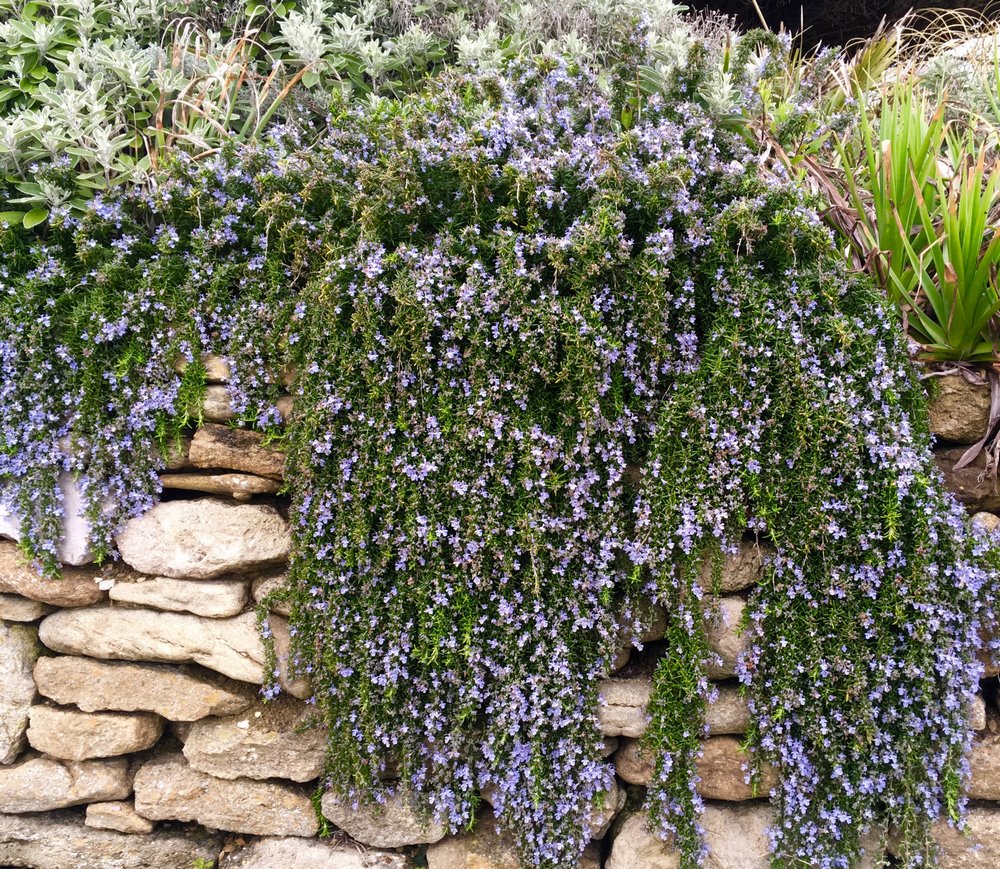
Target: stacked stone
x=132 y=732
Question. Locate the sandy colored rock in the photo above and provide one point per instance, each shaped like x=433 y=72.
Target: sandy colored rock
x=176 y=693
x=736 y=835
x=264 y=585
x=977 y=713
x=177 y=456
x=959 y=410
x=725 y=638
x=632 y=764
x=621 y=659
x=212 y=598
x=166 y=788
x=276 y=740
x=393 y=824
x=723 y=768
x=216 y=368
x=18 y=653
x=591 y=857
x=986 y=521
x=76 y=587
x=217 y=404
x=69 y=734
x=874 y=850
x=602 y=816
x=40 y=784
x=119 y=815
x=485 y=848
x=242 y=487
x=222 y=447
x=296 y=853
x=300 y=687
x=653 y=619
x=74 y=546
x=204 y=538
x=979 y=849
x=991 y=666
x=984 y=759
x=229 y=646
x=60 y=840
x=621 y=710
x=965 y=484
x=740 y=569
x=232 y=647
x=728 y=713
x=14 y=608
x=636 y=845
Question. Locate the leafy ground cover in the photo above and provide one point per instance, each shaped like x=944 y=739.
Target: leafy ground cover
x=565 y=325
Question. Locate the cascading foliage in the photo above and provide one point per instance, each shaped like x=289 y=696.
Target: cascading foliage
x=556 y=344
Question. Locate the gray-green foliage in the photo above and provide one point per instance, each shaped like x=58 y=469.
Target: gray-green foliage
x=96 y=92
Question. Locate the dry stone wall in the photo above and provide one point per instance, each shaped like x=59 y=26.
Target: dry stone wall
x=133 y=734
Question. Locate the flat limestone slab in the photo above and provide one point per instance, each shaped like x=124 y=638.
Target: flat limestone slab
x=76 y=587
x=276 y=740
x=736 y=836
x=296 y=853
x=232 y=647
x=167 y=788
x=212 y=598
x=119 y=815
x=725 y=638
x=69 y=734
x=60 y=840
x=205 y=538
x=216 y=368
x=980 y=849
x=15 y=608
x=222 y=447
x=485 y=848
x=40 y=784
x=622 y=709
x=229 y=646
x=239 y=486
x=18 y=653
x=393 y=824
x=721 y=768
x=178 y=693
x=217 y=404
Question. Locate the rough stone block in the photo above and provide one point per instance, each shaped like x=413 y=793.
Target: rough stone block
x=233 y=449
x=212 y=598
x=60 y=840
x=119 y=815
x=393 y=824
x=40 y=784
x=177 y=693
x=167 y=788
x=204 y=538
x=273 y=741
x=76 y=587
x=296 y=853
x=18 y=653
x=69 y=734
